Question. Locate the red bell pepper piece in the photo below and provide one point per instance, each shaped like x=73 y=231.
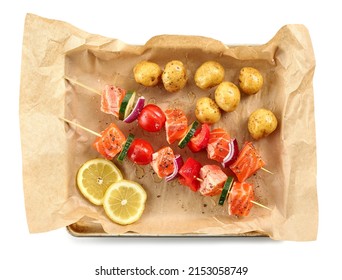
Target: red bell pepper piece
x=189 y=174
x=200 y=139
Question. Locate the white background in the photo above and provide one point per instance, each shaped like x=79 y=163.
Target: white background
x=57 y=255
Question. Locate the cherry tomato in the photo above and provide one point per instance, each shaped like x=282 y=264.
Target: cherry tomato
x=140 y=152
x=151 y=118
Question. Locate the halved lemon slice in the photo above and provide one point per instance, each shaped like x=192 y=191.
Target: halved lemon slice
x=95 y=176
x=124 y=202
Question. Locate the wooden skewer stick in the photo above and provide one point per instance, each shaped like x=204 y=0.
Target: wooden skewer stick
x=82 y=85
x=266 y=170
x=198 y=179
x=116 y=78
x=258 y=204
x=261 y=205
x=81 y=126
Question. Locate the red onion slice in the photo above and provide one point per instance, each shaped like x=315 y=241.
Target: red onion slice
x=177 y=163
x=136 y=110
x=232 y=154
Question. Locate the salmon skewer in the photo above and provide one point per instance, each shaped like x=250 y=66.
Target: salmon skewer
x=241 y=199
x=218 y=144
x=111 y=99
x=247 y=163
x=109 y=142
x=212 y=179
x=224 y=149
x=163 y=162
x=176 y=125
x=111 y=96
x=241 y=196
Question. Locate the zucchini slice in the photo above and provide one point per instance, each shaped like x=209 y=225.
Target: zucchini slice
x=127 y=104
x=125 y=147
x=185 y=140
x=225 y=191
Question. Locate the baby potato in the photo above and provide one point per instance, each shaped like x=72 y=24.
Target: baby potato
x=227 y=96
x=250 y=80
x=261 y=123
x=209 y=74
x=147 y=73
x=207 y=111
x=174 y=76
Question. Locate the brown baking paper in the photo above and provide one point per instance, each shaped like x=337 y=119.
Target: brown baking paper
x=53 y=151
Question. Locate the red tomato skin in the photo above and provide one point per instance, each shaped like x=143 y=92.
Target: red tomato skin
x=140 y=152
x=151 y=118
x=200 y=139
x=189 y=173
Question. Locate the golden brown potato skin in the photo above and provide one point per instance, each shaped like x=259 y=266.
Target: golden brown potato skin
x=174 y=76
x=207 y=111
x=147 y=73
x=250 y=80
x=261 y=123
x=209 y=74
x=227 y=96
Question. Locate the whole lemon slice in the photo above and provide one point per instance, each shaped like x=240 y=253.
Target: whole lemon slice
x=124 y=202
x=95 y=176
